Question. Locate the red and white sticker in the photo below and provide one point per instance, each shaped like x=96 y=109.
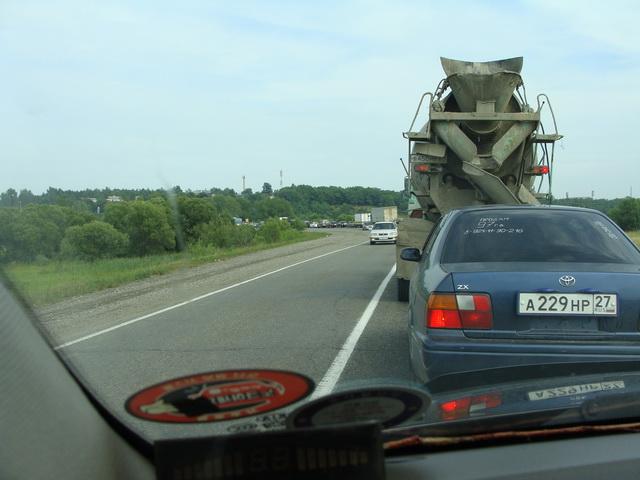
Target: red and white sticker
x=219 y=396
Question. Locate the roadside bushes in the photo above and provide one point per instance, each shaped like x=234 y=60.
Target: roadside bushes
x=217 y=232
x=298 y=225
x=222 y=233
x=93 y=241
x=275 y=230
x=139 y=227
x=146 y=223
x=245 y=235
x=271 y=231
x=35 y=231
x=192 y=213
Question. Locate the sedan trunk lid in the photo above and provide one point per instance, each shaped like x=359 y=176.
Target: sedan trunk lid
x=557 y=305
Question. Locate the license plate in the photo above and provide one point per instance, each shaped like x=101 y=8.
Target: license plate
x=570 y=390
x=568 y=304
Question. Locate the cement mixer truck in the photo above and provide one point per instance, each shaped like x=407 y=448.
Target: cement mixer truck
x=482 y=143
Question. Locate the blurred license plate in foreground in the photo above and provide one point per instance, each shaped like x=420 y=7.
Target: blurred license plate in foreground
x=567 y=391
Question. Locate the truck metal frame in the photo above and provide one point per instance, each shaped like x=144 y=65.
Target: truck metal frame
x=482 y=144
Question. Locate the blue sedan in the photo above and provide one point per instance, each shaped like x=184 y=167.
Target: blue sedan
x=503 y=286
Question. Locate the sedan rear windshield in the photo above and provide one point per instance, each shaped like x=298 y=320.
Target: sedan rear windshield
x=536 y=236
x=384 y=226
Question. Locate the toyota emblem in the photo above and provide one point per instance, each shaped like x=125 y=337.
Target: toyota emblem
x=567 y=281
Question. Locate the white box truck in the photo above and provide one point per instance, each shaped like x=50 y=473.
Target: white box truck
x=384 y=214
x=362 y=218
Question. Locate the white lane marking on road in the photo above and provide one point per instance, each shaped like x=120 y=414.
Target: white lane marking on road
x=328 y=382
x=181 y=304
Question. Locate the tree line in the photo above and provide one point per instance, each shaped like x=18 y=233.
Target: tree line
x=302 y=201
x=624 y=211
x=128 y=228
x=604 y=205
x=94 y=224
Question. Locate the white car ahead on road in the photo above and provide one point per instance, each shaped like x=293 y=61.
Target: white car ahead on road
x=383 y=232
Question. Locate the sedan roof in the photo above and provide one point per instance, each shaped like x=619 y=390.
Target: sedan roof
x=522 y=207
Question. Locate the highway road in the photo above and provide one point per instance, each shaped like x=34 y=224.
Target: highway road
x=325 y=308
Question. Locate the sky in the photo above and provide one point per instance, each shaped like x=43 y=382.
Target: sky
x=201 y=93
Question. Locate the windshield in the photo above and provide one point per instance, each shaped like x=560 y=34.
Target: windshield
x=384 y=226
x=203 y=205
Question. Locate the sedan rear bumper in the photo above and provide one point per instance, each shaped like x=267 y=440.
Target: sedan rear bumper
x=383 y=239
x=431 y=360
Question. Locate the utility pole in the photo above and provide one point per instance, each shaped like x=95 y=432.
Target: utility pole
x=243 y=183
x=281 y=179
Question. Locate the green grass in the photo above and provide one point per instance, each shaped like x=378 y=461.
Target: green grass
x=635 y=236
x=47 y=282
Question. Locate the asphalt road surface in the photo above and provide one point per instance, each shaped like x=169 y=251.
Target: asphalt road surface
x=297 y=308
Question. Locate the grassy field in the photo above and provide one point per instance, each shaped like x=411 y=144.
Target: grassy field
x=48 y=282
x=635 y=236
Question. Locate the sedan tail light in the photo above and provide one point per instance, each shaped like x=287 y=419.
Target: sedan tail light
x=468 y=311
x=468 y=406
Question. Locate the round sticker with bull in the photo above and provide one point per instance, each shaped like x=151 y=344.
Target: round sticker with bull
x=219 y=396
x=388 y=405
